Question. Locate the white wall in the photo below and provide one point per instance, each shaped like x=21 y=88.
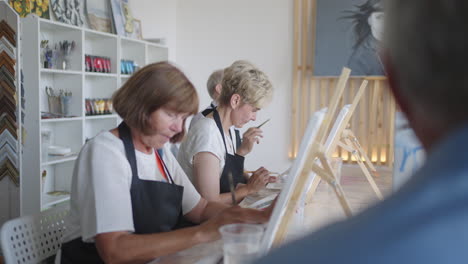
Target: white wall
x=211 y=34
x=158 y=19
x=205 y=35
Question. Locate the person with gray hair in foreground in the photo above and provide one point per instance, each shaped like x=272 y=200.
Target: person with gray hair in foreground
x=426 y=220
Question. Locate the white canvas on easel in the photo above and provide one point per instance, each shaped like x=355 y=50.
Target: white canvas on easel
x=310 y=149
x=309 y=186
x=297 y=168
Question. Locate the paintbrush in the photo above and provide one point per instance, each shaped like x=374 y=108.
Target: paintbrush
x=259 y=126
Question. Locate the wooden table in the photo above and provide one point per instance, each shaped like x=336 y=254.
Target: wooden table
x=206 y=253
x=209 y=253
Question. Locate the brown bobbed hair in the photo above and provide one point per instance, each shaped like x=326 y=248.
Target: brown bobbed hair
x=150 y=88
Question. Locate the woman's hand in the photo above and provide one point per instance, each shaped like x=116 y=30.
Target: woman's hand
x=251 y=136
x=258 y=180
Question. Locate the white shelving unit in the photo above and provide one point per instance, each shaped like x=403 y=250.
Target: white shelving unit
x=38 y=192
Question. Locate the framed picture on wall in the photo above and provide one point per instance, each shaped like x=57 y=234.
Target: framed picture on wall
x=136 y=29
x=127 y=17
x=122 y=17
x=69 y=11
x=348 y=33
x=99 y=15
x=25 y=7
x=117 y=17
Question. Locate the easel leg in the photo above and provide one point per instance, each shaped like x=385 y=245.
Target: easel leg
x=363 y=167
x=327 y=174
x=342 y=199
x=361 y=151
x=313 y=188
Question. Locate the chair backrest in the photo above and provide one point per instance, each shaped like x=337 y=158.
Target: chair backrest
x=33 y=238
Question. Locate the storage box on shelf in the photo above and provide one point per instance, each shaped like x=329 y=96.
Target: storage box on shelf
x=46 y=178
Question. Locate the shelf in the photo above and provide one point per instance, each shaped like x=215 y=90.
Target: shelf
x=56 y=25
x=64 y=119
x=142 y=42
x=71 y=131
x=50 y=200
x=56 y=71
x=94 y=117
x=99 y=33
x=51 y=160
x=100 y=74
x=156 y=45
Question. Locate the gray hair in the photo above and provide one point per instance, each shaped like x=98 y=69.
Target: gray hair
x=215 y=78
x=246 y=80
x=427 y=44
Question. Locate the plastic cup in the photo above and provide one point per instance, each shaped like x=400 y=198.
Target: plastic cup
x=66 y=101
x=241 y=242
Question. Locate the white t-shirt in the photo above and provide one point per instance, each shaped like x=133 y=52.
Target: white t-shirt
x=204 y=136
x=199 y=115
x=100 y=194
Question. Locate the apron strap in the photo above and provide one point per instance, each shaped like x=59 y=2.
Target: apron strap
x=220 y=127
x=126 y=136
x=238 y=138
x=166 y=170
x=207 y=111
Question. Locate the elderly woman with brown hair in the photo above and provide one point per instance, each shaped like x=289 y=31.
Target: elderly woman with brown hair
x=208 y=155
x=128 y=191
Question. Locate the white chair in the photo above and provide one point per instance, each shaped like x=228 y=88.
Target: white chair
x=33 y=238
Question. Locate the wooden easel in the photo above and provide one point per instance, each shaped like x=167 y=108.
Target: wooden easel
x=351 y=144
x=315 y=162
x=343 y=137
x=318 y=164
x=332 y=141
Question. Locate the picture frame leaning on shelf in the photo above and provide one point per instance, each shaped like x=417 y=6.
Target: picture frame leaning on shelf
x=99 y=15
x=137 y=31
x=117 y=17
x=25 y=7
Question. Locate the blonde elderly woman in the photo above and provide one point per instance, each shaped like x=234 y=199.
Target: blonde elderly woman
x=129 y=193
x=208 y=154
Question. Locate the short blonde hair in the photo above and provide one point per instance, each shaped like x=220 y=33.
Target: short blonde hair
x=246 y=80
x=152 y=87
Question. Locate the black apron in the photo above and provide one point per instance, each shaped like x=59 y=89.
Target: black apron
x=232 y=163
x=207 y=111
x=156 y=207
